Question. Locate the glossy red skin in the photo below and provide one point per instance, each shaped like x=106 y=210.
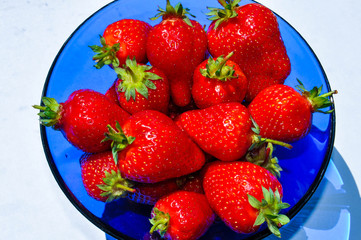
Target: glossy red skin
x=132 y=35
x=226 y=185
x=258 y=48
x=207 y=92
x=223 y=130
x=84 y=118
x=282 y=113
x=160 y=150
x=111 y=94
x=150 y=193
x=177 y=48
x=92 y=168
x=158 y=99
x=190 y=215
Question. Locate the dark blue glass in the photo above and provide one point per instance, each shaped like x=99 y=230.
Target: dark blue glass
x=304 y=165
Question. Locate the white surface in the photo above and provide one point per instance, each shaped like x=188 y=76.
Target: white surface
x=32 y=206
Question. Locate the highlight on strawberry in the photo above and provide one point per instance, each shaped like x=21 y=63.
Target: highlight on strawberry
x=252 y=32
x=176 y=46
x=218 y=80
x=122 y=39
x=284 y=114
x=83 y=118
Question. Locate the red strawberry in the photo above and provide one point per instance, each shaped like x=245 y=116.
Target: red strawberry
x=252 y=32
x=122 y=39
x=182 y=215
x=284 y=114
x=111 y=94
x=82 y=118
x=141 y=87
x=176 y=46
x=244 y=196
x=101 y=177
x=218 y=81
x=104 y=182
x=225 y=130
x=152 y=148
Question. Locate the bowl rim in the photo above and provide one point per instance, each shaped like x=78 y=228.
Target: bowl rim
x=114 y=232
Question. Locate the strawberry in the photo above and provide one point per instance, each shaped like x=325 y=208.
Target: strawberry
x=122 y=39
x=149 y=148
x=104 y=182
x=217 y=81
x=284 y=114
x=244 y=196
x=224 y=131
x=83 y=118
x=252 y=32
x=141 y=87
x=176 y=46
x=111 y=94
x=101 y=177
x=182 y=215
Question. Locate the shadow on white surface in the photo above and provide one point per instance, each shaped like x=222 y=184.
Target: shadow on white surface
x=333 y=212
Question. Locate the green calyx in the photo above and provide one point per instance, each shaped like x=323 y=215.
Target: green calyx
x=217 y=69
x=105 y=54
x=135 y=77
x=119 y=140
x=221 y=15
x=115 y=186
x=258 y=141
x=269 y=209
x=178 y=11
x=160 y=222
x=263 y=157
x=49 y=113
x=315 y=97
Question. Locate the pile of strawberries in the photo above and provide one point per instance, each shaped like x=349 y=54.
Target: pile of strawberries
x=189 y=124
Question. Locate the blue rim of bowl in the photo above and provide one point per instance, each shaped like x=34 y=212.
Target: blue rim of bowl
x=114 y=232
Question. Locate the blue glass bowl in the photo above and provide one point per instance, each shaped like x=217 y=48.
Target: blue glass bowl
x=72 y=69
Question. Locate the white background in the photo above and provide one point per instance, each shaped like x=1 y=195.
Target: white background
x=32 y=206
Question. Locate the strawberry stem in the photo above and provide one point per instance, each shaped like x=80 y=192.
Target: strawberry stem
x=276 y=142
x=105 y=54
x=50 y=113
x=119 y=140
x=217 y=69
x=315 y=97
x=115 y=186
x=269 y=208
x=135 y=78
x=160 y=222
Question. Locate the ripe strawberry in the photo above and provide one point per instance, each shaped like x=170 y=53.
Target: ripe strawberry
x=151 y=148
x=111 y=94
x=122 y=39
x=103 y=181
x=176 y=46
x=182 y=215
x=224 y=131
x=101 y=177
x=244 y=196
x=82 y=118
x=218 y=81
x=141 y=87
x=252 y=32
x=284 y=114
